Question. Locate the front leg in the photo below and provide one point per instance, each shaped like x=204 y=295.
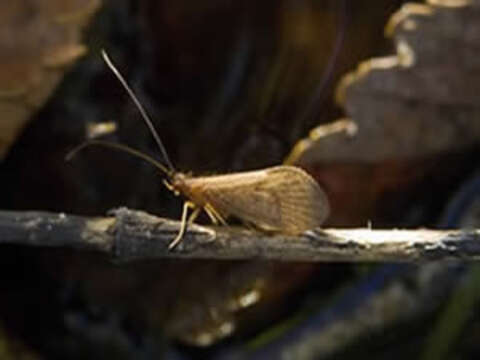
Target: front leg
x=184 y=222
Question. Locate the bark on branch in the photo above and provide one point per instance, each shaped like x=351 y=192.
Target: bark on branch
x=133 y=235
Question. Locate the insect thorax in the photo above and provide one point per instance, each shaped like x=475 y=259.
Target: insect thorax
x=180 y=184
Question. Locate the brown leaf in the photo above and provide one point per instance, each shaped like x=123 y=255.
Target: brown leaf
x=37 y=42
x=421 y=101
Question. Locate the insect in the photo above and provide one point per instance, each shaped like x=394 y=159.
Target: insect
x=282 y=199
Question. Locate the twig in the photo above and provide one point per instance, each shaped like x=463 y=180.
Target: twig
x=133 y=235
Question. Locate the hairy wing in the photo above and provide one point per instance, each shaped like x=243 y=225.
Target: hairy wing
x=282 y=198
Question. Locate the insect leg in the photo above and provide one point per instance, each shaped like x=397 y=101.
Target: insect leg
x=214 y=214
x=194 y=215
x=184 y=222
x=211 y=216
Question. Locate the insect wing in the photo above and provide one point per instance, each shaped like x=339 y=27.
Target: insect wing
x=282 y=198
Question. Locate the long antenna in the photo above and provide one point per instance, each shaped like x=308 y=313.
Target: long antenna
x=140 y=108
x=123 y=148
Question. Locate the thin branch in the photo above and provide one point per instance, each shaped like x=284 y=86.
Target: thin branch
x=133 y=235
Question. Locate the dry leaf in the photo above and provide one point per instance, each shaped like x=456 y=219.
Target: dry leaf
x=37 y=42
x=421 y=101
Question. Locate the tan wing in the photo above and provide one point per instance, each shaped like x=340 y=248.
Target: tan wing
x=282 y=198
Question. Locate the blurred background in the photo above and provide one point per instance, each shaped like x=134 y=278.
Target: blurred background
x=237 y=86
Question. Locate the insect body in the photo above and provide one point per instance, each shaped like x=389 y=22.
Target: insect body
x=281 y=199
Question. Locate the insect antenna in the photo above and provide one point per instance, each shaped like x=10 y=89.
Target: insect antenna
x=140 y=108
x=123 y=148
